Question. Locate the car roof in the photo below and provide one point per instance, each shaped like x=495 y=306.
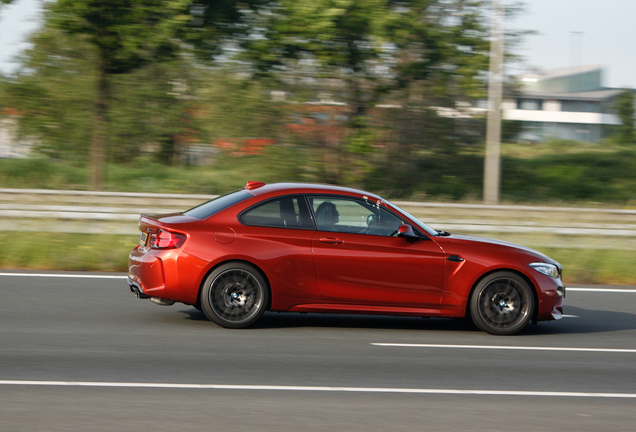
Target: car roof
x=274 y=189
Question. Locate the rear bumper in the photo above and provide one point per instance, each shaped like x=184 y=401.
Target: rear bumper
x=165 y=274
x=146 y=273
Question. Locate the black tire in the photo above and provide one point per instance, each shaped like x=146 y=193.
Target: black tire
x=502 y=303
x=234 y=295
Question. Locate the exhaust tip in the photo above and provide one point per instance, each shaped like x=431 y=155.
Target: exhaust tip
x=136 y=290
x=161 y=302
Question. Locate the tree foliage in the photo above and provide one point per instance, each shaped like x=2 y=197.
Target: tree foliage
x=126 y=35
x=368 y=53
x=368 y=48
x=53 y=94
x=625 y=105
x=362 y=87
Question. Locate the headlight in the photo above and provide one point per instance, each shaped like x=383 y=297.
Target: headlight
x=546 y=269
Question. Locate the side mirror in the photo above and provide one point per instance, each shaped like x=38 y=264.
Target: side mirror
x=406 y=231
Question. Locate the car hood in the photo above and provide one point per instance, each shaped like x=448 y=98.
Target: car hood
x=458 y=238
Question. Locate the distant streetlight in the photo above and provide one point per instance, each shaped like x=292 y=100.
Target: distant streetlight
x=576 y=49
x=492 y=163
x=575 y=59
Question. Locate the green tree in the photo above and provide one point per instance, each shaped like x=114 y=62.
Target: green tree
x=55 y=88
x=154 y=110
x=111 y=71
x=418 y=55
x=126 y=35
x=235 y=107
x=52 y=92
x=216 y=25
x=410 y=53
x=626 y=110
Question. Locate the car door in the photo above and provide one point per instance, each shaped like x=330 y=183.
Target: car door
x=279 y=232
x=358 y=258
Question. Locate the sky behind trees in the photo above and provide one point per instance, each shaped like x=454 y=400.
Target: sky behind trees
x=576 y=32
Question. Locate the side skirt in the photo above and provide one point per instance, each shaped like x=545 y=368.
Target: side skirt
x=290 y=304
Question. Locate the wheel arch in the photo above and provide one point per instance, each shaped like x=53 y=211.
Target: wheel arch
x=535 y=295
x=217 y=265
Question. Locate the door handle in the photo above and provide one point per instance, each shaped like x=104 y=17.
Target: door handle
x=331 y=240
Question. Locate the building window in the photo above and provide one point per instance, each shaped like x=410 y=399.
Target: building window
x=580 y=106
x=530 y=104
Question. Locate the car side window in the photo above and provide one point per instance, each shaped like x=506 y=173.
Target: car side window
x=338 y=214
x=285 y=212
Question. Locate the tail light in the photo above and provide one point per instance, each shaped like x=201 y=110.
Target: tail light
x=167 y=240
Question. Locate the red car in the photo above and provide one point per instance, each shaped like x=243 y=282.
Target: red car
x=311 y=248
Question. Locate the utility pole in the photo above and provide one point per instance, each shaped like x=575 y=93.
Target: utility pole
x=492 y=162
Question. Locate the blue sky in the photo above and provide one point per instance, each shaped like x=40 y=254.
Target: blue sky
x=576 y=32
x=570 y=32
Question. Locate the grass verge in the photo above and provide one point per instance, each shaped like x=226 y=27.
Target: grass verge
x=73 y=252
x=595 y=266
x=90 y=252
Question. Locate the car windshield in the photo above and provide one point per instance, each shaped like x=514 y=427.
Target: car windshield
x=215 y=205
x=417 y=222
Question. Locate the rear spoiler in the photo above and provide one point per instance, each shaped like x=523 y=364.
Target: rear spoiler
x=148 y=223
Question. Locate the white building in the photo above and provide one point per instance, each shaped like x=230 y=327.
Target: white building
x=565 y=103
x=10 y=145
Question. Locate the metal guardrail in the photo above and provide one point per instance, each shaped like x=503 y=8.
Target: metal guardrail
x=116 y=213
x=501 y=207
x=102 y=194
x=202 y=197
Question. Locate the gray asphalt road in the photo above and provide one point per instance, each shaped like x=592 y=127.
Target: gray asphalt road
x=80 y=354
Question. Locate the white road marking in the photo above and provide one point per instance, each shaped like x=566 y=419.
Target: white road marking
x=70 y=275
x=63 y=275
x=503 y=347
x=93 y=276
x=570 y=316
x=612 y=290
x=316 y=389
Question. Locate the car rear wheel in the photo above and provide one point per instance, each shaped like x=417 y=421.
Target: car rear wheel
x=502 y=304
x=234 y=295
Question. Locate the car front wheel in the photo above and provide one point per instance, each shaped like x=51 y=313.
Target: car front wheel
x=502 y=303
x=234 y=295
